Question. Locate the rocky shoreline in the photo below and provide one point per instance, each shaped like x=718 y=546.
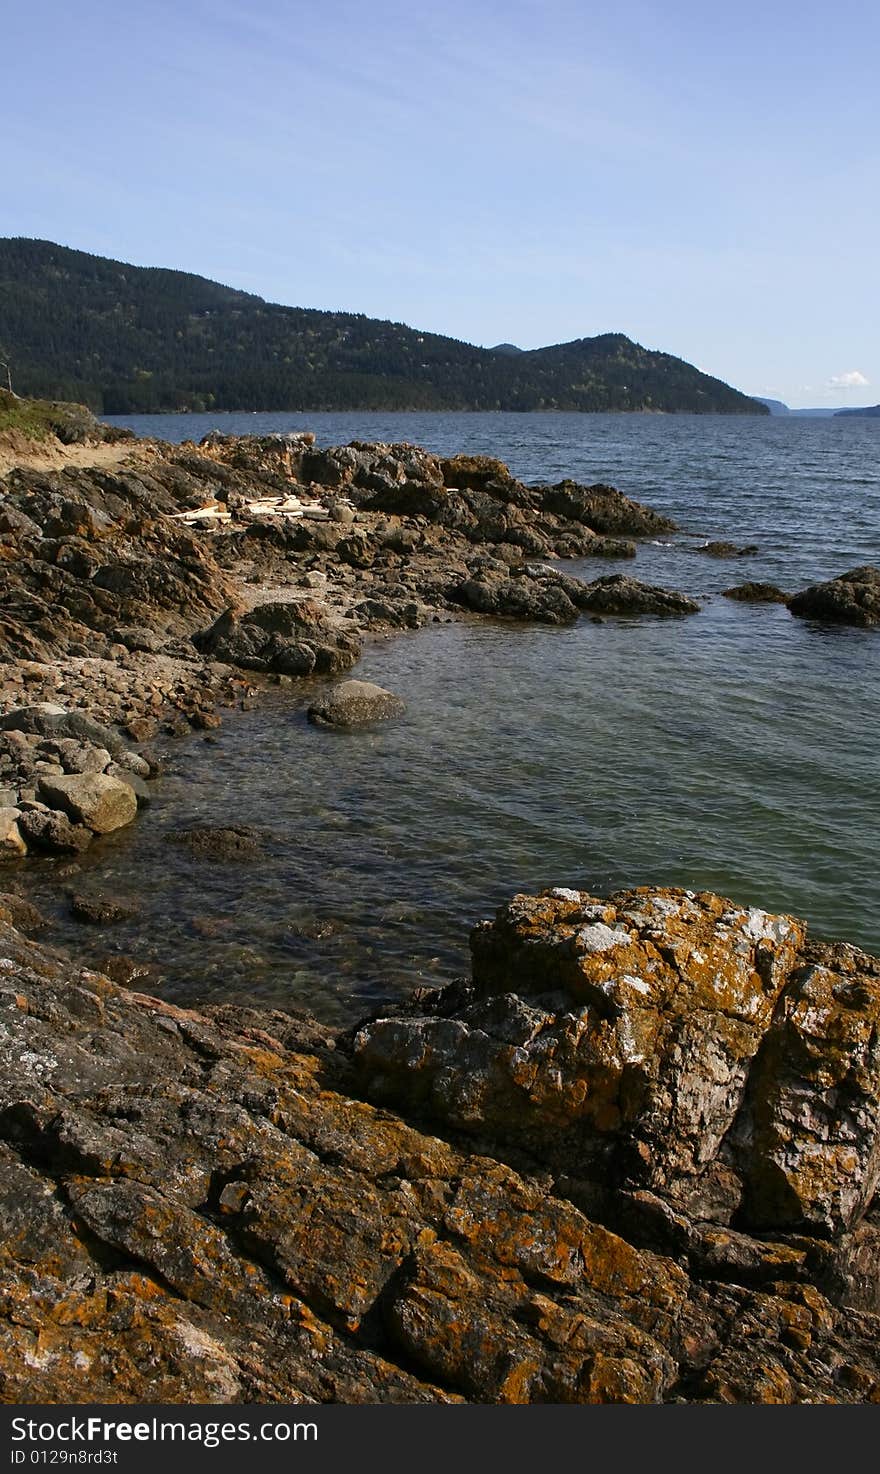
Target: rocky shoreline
x=632 y=1159
x=148 y=593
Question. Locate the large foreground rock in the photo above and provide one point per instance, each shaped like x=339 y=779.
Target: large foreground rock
x=192 y=1215
x=198 y=1208
x=853 y=598
x=664 y=1042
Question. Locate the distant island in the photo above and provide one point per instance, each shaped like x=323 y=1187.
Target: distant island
x=129 y=339
x=869 y=411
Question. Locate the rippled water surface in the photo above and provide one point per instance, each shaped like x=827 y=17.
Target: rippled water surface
x=736 y=750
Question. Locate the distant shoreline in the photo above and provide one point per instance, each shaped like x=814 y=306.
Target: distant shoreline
x=668 y=414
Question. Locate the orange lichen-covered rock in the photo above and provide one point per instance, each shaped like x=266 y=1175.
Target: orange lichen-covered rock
x=606 y=1035
x=812 y=1127
x=202 y=1207
x=193 y=1212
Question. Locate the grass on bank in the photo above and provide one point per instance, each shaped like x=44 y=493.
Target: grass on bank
x=41 y=420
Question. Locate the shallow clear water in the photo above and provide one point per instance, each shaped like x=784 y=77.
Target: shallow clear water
x=736 y=750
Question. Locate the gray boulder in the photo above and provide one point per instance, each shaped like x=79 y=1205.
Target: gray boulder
x=354 y=703
x=96 y=800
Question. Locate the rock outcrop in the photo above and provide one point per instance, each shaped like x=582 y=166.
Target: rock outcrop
x=294 y=638
x=633 y=1160
x=756 y=593
x=853 y=598
x=617 y=594
x=604 y=509
x=536 y=592
x=138 y=565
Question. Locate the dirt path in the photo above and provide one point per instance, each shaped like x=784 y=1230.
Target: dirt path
x=16 y=450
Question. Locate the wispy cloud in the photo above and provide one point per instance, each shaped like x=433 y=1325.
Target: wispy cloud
x=853 y=379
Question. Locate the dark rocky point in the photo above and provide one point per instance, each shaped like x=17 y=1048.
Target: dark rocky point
x=618 y=594
x=852 y=598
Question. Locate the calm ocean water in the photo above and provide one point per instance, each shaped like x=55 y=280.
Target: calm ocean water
x=736 y=750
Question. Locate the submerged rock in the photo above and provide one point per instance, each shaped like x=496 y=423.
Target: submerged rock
x=233 y=842
x=756 y=593
x=21 y=913
x=355 y=703
x=100 y=910
x=853 y=598
x=722 y=549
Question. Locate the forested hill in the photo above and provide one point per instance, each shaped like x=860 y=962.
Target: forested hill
x=128 y=339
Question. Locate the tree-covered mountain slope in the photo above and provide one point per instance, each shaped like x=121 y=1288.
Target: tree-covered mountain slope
x=126 y=339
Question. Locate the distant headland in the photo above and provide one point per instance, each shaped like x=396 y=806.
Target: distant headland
x=777 y=407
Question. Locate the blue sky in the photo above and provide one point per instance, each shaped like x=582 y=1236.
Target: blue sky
x=703 y=179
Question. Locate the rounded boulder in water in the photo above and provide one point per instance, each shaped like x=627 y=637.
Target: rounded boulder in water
x=354 y=704
x=95 y=800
